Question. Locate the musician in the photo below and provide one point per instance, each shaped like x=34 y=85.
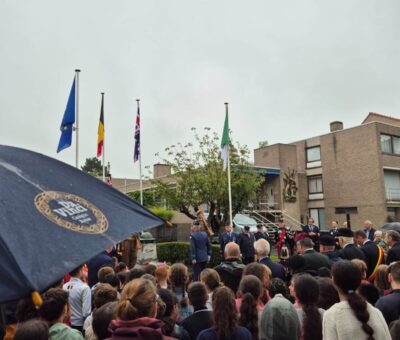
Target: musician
x=203 y=223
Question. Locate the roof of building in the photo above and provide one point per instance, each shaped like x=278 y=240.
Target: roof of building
x=377 y=117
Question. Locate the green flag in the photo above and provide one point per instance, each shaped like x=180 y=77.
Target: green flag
x=225 y=142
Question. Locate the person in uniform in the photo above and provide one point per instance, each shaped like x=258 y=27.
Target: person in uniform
x=327 y=246
x=246 y=244
x=200 y=247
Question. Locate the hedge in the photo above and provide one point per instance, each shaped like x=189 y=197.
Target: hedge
x=179 y=252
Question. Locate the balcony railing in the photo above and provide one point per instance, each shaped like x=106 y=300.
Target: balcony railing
x=392 y=194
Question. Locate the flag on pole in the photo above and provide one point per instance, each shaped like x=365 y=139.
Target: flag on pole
x=67 y=122
x=137 y=136
x=225 y=142
x=100 y=130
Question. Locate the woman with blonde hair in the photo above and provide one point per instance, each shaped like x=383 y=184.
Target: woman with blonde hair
x=212 y=281
x=136 y=313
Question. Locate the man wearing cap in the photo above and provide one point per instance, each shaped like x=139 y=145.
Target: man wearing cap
x=246 y=244
x=327 y=247
x=261 y=234
x=349 y=250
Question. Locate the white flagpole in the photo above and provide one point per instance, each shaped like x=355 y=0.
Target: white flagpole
x=104 y=139
x=229 y=178
x=140 y=157
x=77 y=118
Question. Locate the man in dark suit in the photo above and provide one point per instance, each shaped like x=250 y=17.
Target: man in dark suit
x=312 y=259
x=312 y=231
x=231 y=268
x=393 y=241
x=226 y=237
x=262 y=249
x=349 y=250
x=200 y=250
x=327 y=246
x=246 y=244
x=334 y=228
x=374 y=255
x=369 y=230
x=260 y=233
x=201 y=318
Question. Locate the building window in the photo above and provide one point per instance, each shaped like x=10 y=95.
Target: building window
x=315 y=188
x=315 y=185
x=313 y=157
x=392 y=185
x=390 y=144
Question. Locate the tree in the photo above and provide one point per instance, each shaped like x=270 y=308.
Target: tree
x=93 y=166
x=200 y=178
x=263 y=144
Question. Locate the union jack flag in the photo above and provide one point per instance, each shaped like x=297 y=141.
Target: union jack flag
x=137 y=136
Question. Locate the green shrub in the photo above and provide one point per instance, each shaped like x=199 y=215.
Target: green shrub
x=179 y=252
x=163 y=213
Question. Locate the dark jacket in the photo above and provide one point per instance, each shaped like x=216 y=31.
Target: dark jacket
x=371 y=252
x=332 y=256
x=225 y=238
x=241 y=333
x=393 y=253
x=142 y=328
x=310 y=228
x=314 y=260
x=389 y=305
x=350 y=252
x=200 y=246
x=97 y=262
x=259 y=235
x=197 y=322
x=371 y=234
x=246 y=244
x=230 y=272
x=277 y=269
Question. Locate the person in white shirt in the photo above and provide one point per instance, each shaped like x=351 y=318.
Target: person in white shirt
x=352 y=318
x=80 y=298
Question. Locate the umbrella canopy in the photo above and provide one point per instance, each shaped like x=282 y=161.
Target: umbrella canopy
x=392 y=226
x=54 y=217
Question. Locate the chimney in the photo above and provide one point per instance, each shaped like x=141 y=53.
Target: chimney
x=161 y=170
x=336 y=126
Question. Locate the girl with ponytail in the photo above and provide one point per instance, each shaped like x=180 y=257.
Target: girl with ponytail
x=136 y=313
x=250 y=291
x=306 y=290
x=352 y=318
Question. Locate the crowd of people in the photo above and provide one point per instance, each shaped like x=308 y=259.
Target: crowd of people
x=337 y=285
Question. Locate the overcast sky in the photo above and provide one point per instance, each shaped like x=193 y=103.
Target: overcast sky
x=287 y=68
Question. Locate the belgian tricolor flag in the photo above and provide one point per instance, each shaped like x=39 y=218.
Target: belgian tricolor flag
x=100 y=131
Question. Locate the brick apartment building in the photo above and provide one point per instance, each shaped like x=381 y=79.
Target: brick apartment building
x=352 y=171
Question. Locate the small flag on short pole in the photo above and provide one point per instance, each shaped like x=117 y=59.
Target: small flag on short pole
x=67 y=121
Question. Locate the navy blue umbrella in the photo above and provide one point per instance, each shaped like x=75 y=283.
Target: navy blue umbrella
x=54 y=217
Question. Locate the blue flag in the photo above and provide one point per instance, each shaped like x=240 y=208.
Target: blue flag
x=68 y=121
